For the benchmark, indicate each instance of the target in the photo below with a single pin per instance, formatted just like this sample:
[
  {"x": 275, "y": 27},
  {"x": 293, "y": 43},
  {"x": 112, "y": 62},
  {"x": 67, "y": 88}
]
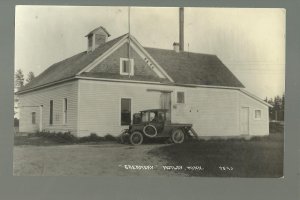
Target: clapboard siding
[
  {"x": 100, "y": 102},
  {"x": 212, "y": 111},
  {"x": 30, "y": 102},
  {"x": 95, "y": 107},
  {"x": 256, "y": 127}
]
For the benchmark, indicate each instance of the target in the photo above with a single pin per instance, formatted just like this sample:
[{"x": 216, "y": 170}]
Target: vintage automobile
[{"x": 154, "y": 123}]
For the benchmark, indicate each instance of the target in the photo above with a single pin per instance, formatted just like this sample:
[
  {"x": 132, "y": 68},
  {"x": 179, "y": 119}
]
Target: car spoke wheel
[
  {"x": 150, "y": 131},
  {"x": 177, "y": 136},
  {"x": 136, "y": 138}
]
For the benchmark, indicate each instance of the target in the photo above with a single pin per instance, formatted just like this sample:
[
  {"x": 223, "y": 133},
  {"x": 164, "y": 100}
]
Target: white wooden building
[{"x": 98, "y": 91}]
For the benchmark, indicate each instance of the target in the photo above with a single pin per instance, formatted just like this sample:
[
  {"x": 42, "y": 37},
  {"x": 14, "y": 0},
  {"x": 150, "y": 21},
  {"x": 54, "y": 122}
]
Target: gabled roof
[
  {"x": 183, "y": 68},
  {"x": 96, "y": 29},
  {"x": 69, "y": 67},
  {"x": 194, "y": 68}
]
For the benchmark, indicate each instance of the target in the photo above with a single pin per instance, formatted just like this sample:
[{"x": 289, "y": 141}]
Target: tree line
[
  {"x": 19, "y": 83},
  {"x": 277, "y": 112},
  {"x": 20, "y": 78}
]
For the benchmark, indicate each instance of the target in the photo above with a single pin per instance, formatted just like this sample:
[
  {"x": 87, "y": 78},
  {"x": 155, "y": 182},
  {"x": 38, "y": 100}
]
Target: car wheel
[
  {"x": 136, "y": 138},
  {"x": 177, "y": 136}
]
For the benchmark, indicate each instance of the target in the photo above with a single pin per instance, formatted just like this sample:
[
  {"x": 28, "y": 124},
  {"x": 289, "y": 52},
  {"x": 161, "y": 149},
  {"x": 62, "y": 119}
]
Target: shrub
[
  {"x": 68, "y": 138},
  {"x": 93, "y": 137},
  {"x": 276, "y": 127},
  {"x": 109, "y": 137}
]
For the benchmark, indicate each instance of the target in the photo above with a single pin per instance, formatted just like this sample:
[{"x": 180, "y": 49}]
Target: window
[
  {"x": 125, "y": 111},
  {"x": 257, "y": 114},
  {"x": 90, "y": 41},
  {"x": 33, "y": 117},
  {"x": 51, "y": 113},
  {"x": 180, "y": 97},
  {"x": 126, "y": 66},
  {"x": 65, "y": 110}
]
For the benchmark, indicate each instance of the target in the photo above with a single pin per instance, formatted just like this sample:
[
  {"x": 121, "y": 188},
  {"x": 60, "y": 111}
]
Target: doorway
[
  {"x": 165, "y": 103},
  {"x": 244, "y": 120}
]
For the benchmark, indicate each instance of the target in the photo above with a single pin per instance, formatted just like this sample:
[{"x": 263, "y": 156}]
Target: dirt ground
[{"x": 89, "y": 160}]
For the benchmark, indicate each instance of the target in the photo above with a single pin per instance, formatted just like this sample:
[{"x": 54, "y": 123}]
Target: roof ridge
[
  {"x": 199, "y": 68},
  {"x": 171, "y": 50},
  {"x": 110, "y": 41}
]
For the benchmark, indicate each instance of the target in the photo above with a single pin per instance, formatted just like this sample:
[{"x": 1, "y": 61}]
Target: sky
[{"x": 249, "y": 41}]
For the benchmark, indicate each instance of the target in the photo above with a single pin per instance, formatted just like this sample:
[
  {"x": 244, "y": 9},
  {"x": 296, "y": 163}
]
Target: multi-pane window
[
  {"x": 65, "y": 110},
  {"x": 33, "y": 117},
  {"x": 126, "y": 66},
  {"x": 51, "y": 113},
  {"x": 125, "y": 111},
  {"x": 180, "y": 97},
  {"x": 257, "y": 114}
]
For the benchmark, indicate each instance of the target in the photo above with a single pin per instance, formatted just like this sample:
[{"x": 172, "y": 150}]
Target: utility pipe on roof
[
  {"x": 129, "y": 61},
  {"x": 181, "y": 29}
]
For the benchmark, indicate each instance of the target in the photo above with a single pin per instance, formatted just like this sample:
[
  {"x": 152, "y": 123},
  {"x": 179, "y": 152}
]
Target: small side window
[
  {"x": 126, "y": 66},
  {"x": 257, "y": 114},
  {"x": 180, "y": 97},
  {"x": 33, "y": 117}
]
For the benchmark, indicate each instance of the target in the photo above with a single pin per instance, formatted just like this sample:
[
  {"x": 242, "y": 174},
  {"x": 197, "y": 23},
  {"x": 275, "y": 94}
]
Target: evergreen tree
[
  {"x": 19, "y": 78},
  {"x": 30, "y": 77}
]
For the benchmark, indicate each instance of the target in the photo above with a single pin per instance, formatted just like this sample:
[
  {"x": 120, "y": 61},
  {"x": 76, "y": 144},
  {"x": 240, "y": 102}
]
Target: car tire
[
  {"x": 177, "y": 136},
  {"x": 136, "y": 138}
]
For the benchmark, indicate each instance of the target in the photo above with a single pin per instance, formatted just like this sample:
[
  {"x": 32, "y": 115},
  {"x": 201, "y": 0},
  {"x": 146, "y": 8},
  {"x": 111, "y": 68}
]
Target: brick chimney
[
  {"x": 179, "y": 47},
  {"x": 96, "y": 38}
]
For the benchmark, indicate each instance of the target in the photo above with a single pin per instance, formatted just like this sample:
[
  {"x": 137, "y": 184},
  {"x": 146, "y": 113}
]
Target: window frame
[
  {"x": 33, "y": 118},
  {"x": 254, "y": 114},
  {"x": 120, "y": 113},
  {"x": 51, "y": 112},
  {"x": 65, "y": 111},
  {"x": 177, "y": 92},
  {"x": 131, "y": 66}
]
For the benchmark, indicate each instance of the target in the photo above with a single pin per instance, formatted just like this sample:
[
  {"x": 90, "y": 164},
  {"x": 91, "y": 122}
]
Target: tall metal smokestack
[{"x": 181, "y": 29}]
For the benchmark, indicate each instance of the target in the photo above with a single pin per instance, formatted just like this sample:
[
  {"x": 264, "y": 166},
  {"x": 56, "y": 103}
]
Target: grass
[
  {"x": 49, "y": 139},
  {"x": 258, "y": 157}
]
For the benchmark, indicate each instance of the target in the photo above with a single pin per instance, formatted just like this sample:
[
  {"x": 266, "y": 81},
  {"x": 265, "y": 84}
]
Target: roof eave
[
  {"x": 256, "y": 98},
  {"x": 45, "y": 85}
]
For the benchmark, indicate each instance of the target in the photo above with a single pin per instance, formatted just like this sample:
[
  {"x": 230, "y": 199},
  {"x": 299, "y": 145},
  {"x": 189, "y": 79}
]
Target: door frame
[
  {"x": 248, "y": 108},
  {"x": 170, "y": 96},
  {"x": 120, "y": 109}
]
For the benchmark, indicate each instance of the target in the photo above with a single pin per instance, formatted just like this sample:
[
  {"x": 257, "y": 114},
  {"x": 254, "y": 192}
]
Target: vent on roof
[{"x": 96, "y": 38}]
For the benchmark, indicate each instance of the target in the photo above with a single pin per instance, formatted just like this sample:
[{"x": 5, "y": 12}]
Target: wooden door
[
  {"x": 165, "y": 103},
  {"x": 244, "y": 120}
]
